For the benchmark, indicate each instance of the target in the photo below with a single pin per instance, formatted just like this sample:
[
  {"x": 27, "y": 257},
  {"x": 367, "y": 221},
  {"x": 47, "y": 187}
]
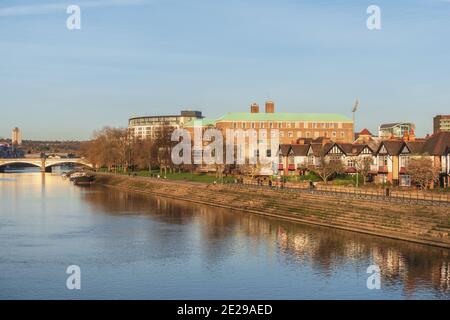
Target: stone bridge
[{"x": 44, "y": 163}]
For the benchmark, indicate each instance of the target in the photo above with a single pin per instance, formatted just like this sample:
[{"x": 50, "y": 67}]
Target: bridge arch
[
  {"x": 12, "y": 162},
  {"x": 45, "y": 164},
  {"x": 49, "y": 163}
]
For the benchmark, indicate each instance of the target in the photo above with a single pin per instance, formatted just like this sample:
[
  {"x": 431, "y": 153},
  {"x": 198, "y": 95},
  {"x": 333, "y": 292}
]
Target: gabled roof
[
  {"x": 393, "y": 147},
  {"x": 300, "y": 150},
  {"x": 415, "y": 147},
  {"x": 284, "y": 149},
  {"x": 358, "y": 148},
  {"x": 329, "y": 146},
  {"x": 349, "y": 148},
  {"x": 437, "y": 144},
  {"x": 316, "y": 148},
  {"x": 365, "y": 132}
]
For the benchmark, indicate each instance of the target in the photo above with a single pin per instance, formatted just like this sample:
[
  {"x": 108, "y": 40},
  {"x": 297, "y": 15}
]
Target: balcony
[
  {"x": 383, "y": 169},
  {"x": 351, "y": 170},
  {"x": 280, "y": 166},
  {"x": 291, "y": 167}
]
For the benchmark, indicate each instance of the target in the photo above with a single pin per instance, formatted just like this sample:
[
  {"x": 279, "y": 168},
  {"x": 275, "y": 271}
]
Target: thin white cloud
[{"x": 47, "y": 8}]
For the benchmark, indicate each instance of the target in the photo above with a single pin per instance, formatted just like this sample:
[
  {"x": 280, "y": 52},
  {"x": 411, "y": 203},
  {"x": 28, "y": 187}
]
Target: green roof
[
  {"x": 200, "y": 123},
  {"x": 281, "y": 116}
]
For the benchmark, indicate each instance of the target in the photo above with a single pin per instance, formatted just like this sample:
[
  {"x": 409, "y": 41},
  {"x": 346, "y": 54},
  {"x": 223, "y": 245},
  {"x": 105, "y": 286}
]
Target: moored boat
[{"x": 84, "y": 180}]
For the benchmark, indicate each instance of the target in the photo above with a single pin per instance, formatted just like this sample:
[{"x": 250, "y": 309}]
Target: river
[{"x": 129, "y": 246}]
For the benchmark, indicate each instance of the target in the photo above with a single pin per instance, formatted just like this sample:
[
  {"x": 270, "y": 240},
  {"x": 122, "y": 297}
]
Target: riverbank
[{"x": 410, "y": 222}]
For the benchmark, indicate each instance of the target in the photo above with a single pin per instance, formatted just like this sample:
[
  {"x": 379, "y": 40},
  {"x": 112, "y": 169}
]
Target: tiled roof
[
  {"x": 392, "y": 147},
  {"x": 284, "y": 149},
  {"x": 437, "y": 144},
  {"x": 300, "y": 149},
  {"x": 365, "y": 132},
  {"x": 316, "y": 148},
  {"x": 415, "y": 147},
  {"x": 283, "y": 116}
]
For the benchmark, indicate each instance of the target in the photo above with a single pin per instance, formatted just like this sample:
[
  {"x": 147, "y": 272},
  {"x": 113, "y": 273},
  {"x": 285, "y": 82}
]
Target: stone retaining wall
[{"x": 427, "y": 225}]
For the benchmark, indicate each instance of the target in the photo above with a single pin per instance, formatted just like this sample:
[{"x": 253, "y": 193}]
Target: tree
[
  {"x": 325, "y": 167},
  {"x": 362, "y": 166},
  {"x": 110, "y": 147},
  {"x": 422, "y": 171}
]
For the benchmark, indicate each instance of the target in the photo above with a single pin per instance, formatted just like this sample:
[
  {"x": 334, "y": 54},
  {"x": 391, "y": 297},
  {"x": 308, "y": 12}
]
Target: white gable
[
  {"x": 383, "y": 149},
  {"x": 405, "y": 150},
  {"x": 335, "y": 150}
]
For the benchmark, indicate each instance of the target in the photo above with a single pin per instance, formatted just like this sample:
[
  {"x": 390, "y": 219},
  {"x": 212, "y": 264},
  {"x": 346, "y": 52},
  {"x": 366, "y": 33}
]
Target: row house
[
  {"x": 297, "y": 158},
  {"x": 392, "y": 158},
  {"x": 389, "y": 158},
  {"x": 391, "y": 161},
  {"x": 438, "y": 148}
]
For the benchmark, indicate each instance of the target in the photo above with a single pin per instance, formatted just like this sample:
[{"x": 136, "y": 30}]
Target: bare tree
[
  {"x": 362, "y": 166},
  {"x": 422, "y": 171},
  {"x": 325, "y": 167},
  {"x": 109, "y": 148}
]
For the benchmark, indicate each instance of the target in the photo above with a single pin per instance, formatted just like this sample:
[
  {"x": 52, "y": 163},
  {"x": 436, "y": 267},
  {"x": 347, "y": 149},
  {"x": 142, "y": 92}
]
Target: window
[
  {"x": 405, "y": 180},
  {"x": 290, "y": 134},
  {"x": 314, "y": 125},
  {"x": 351, "y": 163},
  {"x": 234, "y": 125},
  {"x": 333, "y": 134},
  {"x": 382, "y": 161},
  {"x": 269, "y": 152},
  {"x": 307, "y": 134},
  {"x": 253, "y": 125},
  {"x": 342, "y": 134},
  {"x": 288, "y": 125},
  {"x": 316, "y": 134},
  {"x": 383, "y": 178},
  {"x": 404, "y": 160},
  {"x": 271, "y": 125},
  {"x": 243, "y": 125}
]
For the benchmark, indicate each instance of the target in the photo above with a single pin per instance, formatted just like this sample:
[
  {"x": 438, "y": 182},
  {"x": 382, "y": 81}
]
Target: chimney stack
[
  {"x": 270, "y": 107},
  {"x": 254, "y": 108}
]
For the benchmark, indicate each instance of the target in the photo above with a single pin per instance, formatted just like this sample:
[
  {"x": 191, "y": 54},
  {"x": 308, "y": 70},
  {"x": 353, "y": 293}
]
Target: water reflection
[
  {"x": 413, "y": 266},
  {"x": 132, "y": 246}
]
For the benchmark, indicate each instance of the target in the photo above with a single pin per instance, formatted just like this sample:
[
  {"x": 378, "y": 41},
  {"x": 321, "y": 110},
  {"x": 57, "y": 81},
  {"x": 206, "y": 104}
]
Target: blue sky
[{"x": 138, "y": 57}]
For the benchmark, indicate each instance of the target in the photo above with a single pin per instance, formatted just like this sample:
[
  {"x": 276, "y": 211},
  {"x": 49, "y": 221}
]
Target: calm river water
[{"x": 134, "y": 247}]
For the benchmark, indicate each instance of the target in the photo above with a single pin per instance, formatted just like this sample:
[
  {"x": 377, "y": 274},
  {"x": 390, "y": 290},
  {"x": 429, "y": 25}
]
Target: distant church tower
[{"x": 16, "y": 137}]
